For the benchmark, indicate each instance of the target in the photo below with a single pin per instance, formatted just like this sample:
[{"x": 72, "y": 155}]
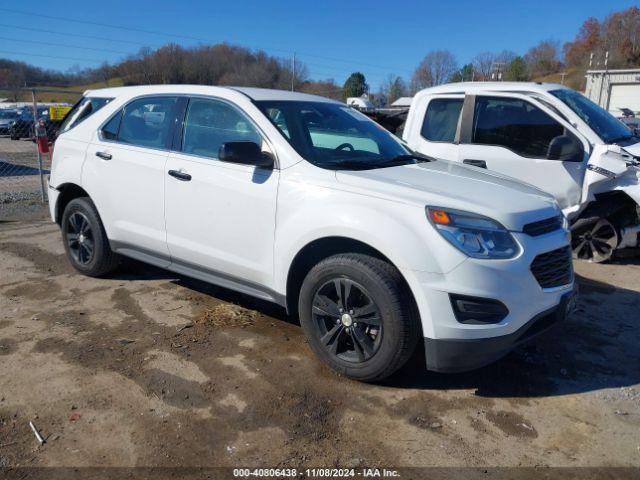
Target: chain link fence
[{"x": 23, "y": 170}]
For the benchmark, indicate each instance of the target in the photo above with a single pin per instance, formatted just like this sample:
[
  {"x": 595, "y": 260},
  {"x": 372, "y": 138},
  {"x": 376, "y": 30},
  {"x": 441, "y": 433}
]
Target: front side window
[
  {"x": 331, "y": 135},
  {"x": 146, "y": 122},
  {"x": 514, "y": 124},
  {"x": 210, "y": 123},
  {"x": 605, "y": 125},
  {"x": 441, "y": 120},
  {"x": 81, "y": 111}
]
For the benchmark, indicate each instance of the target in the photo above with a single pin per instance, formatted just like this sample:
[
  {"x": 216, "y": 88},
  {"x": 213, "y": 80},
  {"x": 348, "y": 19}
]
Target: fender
[{"x": 365, "y": 219}]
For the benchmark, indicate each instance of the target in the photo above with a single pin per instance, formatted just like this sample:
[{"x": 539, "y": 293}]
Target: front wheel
[
  {"x": 358, "y": 316},
  {"x": 594, "y": 240}
]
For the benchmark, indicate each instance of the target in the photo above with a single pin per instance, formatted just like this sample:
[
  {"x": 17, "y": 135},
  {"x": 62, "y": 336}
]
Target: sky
[{"x": 332, "y": 38}]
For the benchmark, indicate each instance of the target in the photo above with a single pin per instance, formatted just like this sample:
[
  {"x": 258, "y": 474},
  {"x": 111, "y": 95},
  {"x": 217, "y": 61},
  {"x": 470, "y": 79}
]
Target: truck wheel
[
  {"x": 85, "y": 240},
  {"x": 594, "y": 240},
  {"x": 358, "y": 316}
]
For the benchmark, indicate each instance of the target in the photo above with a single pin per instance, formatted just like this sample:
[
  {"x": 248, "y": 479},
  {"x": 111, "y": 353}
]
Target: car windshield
[
  {"x": 605, "y": 125},
  {"x": 8, "y": 114},
  {"x": 335, "y": 136}
]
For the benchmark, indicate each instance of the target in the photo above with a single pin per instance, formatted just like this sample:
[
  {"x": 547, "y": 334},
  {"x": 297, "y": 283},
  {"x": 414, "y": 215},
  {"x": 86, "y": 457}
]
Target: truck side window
[
  {"x": 515, "y": 124},
  {"x": 441, "y": 120}
]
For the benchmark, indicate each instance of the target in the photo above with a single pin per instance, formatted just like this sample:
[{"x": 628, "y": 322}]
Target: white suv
[{"x": 305, "y": 202}]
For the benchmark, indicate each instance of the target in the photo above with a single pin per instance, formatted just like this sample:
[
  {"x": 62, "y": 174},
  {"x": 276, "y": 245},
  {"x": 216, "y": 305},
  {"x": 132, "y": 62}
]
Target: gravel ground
[{"x": 150, "y": 369}]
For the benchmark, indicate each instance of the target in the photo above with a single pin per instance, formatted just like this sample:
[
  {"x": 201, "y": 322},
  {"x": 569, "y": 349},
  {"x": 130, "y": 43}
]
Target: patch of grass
[
  {"x": 574, "y": 78},
  {"x": 61, "y": 95}
]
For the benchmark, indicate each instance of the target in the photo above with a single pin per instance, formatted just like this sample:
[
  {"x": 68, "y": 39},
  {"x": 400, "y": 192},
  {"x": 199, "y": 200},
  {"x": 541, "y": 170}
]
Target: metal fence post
[{"x": 35, "y": 124}]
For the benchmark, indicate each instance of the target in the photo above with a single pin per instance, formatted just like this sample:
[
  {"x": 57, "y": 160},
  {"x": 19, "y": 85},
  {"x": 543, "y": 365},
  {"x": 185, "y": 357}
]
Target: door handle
[
  {"x": 185, "y": 177},
  {"x": 104, "y": 155},
  {"x": 475, "y": 163}
]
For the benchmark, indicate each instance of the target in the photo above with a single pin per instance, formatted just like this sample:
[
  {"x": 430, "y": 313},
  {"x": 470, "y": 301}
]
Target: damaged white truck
[{"x": 546, "y": 135}]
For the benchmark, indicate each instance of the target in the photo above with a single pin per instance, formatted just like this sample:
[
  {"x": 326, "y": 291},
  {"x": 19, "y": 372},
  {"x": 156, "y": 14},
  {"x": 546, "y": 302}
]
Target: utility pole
[
  {"x": 293, "y": 71},
  {"x": 603, "y": 77},
  {"x": 35, "y": 125}
]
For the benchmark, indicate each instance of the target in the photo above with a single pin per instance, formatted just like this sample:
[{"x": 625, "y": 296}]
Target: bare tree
[
  {"x": 543, "y": 59},
  {"x": 483, "y": 65},
  {"x": 392, "y": 88},
  {"x": 436, "y": 68}
]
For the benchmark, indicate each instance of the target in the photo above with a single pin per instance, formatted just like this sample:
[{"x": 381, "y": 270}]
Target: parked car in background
[
  {"x": 546, "y": 135},
  {"x": 631, "y": 120},
  {"x": 23, "y": 125},
  {"x": 8, "y": 117},
  {"x": 304, "y": 201}
]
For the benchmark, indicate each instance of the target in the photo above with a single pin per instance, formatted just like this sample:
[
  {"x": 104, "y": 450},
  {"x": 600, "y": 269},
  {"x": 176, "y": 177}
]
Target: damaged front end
[{"x": 609, "y": 219}]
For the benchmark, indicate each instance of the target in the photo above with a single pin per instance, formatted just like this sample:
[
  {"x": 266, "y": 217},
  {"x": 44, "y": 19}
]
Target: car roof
[
  {"x": 257, "y": 94},
  {"x": 478, "y": 87}
]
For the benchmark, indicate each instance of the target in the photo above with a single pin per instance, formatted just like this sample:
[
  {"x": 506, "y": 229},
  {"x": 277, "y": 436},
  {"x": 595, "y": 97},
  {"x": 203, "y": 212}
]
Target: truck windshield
[
  {"x": 605, "y": 125},
  {"x": 335, "y": 136}
]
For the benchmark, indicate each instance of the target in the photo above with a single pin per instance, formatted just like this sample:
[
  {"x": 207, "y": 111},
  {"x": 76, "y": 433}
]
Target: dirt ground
[{"x": 150, "y": 369}]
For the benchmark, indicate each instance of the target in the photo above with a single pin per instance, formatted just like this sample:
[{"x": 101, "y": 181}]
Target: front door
[
  {"x": 511, "y": 134},
  {"x": 436, "y": 136},
  {"x": 220, "y": 216}
]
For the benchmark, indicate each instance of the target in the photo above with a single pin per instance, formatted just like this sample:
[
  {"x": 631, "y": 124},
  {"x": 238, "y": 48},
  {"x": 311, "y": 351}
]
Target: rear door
[
  {"x": 124, "y": 172},
  {"x": 437, "y": 133},
  {"x": 511, "y": 134}
]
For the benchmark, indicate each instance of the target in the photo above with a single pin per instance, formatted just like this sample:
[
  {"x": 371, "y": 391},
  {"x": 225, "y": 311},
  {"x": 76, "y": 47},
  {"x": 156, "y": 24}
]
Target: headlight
[{"x": 474, "y": 235}]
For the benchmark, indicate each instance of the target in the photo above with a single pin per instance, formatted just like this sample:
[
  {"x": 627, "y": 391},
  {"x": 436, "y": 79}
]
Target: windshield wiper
[{"x": 365, "y": 164}]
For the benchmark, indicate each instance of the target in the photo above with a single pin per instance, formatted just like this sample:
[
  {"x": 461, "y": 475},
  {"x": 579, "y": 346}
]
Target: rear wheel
[
  {"x": 358, "y": 316},
  {"x": 594, "y": 240},
  {"x": 85, "y": 239}
]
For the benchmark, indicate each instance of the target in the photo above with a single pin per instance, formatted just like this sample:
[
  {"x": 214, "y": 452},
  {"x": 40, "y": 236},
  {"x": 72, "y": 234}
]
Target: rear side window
[
  {"x": 210, "y": 123},
  {"x": 82, "y": 110},
  {"x": 145, "y": 122},
  {"x": 515, "y": 124},
  {"x": 441, "y": 120}
]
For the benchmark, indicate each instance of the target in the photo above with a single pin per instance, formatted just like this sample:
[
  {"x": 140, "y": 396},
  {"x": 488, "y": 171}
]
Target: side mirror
[
  {"x": 565, "y": 148},
  {"x": 246, "y": 153}
]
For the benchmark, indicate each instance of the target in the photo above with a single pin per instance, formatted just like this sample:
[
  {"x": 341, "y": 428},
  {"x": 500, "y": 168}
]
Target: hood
[{"x": 452, "y": 185}]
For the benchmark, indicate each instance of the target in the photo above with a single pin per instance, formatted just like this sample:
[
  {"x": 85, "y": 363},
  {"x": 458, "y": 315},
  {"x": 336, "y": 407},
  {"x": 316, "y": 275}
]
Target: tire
[
  {"x": 85, "y": 239},
  {"x": 354, "y": 345},
  {"x": 594, "y": 239}
]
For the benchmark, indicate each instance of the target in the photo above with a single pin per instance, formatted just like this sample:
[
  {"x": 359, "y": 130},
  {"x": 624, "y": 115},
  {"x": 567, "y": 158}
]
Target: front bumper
[{"x": 459, "y": 355}]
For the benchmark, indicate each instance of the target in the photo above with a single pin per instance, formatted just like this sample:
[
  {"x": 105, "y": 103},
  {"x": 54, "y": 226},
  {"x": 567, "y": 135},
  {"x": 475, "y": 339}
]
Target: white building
[
  {"x": 402, "y": 102},
  {"x": 614, "y": 89}
]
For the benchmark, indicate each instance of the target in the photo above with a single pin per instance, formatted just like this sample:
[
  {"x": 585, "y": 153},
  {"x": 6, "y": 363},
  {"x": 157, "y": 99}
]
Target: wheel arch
[
  {"x": 607, "y": 204},
  {"x": 68, "y": 192},
  {"x": 317, "y": 250}
]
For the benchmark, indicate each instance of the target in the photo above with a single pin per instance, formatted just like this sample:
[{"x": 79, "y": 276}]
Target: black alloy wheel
[
  {"x": 80, "y": 238},
  {"x": 348, "y": 320}
]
